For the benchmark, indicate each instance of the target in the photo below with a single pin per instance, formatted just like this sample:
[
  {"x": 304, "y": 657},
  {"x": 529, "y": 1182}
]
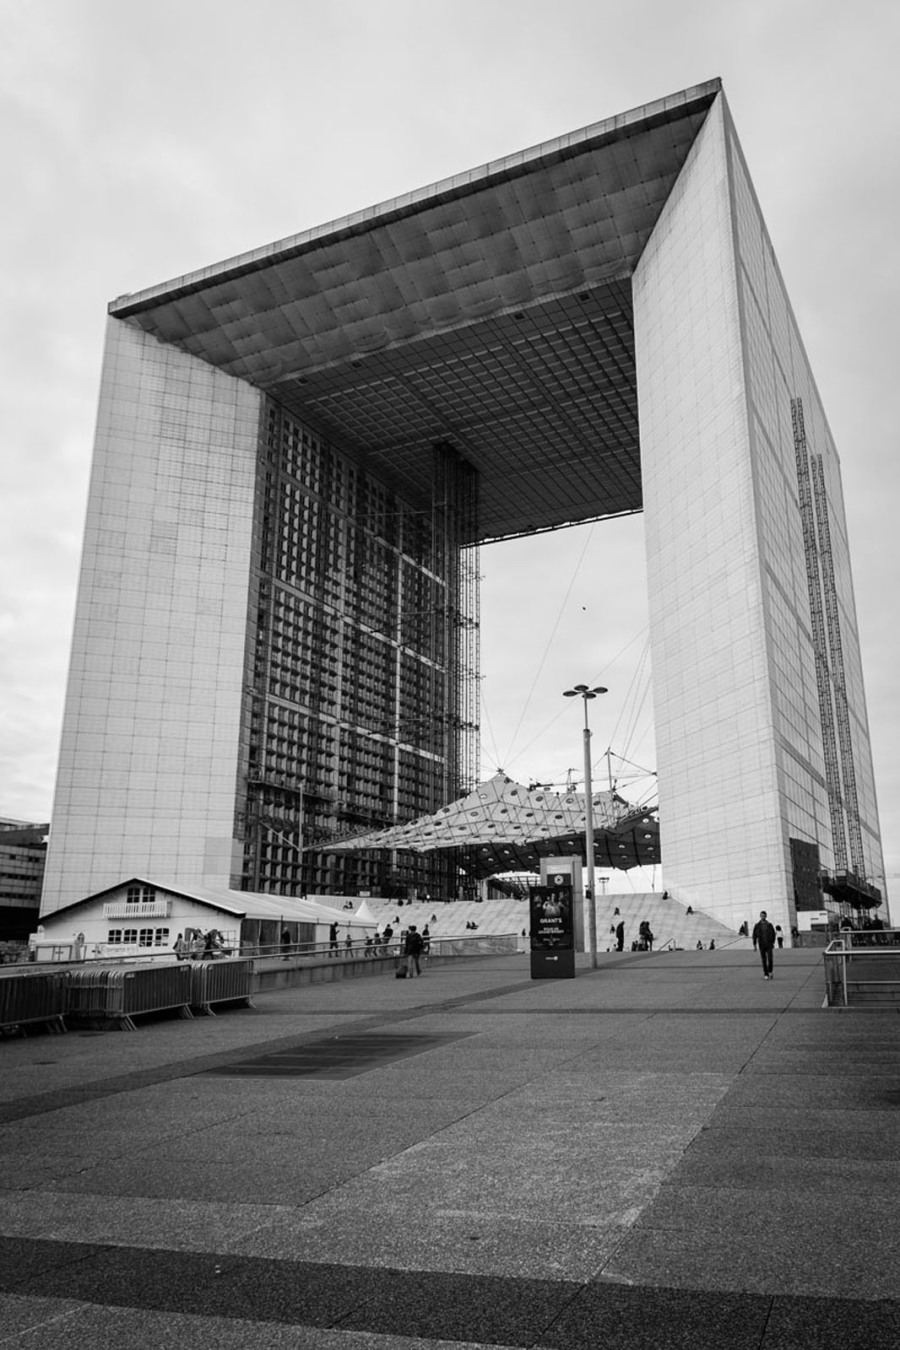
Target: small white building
[{"x": 141, "y": 918}]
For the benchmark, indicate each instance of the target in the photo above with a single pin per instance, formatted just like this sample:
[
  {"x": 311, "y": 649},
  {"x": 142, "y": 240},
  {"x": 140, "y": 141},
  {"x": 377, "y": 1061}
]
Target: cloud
[{"x": 140, "y": 142}]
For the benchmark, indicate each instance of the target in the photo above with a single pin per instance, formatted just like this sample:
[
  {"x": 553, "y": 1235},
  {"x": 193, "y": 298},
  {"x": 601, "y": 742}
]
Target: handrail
[
  {"x": 868, "y": 938},
  {"x": 265, "y": 951},
  {"x": 842, "y": 952}
]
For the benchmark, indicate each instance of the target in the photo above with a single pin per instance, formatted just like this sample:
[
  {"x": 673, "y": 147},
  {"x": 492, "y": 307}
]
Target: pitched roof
[{"x": 240, "y": 904}]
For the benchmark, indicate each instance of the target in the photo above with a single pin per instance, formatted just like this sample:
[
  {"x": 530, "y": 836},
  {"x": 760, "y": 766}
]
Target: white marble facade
[
  {"x": 148, "y": 761},
  {"x": 739, "y": 741}
]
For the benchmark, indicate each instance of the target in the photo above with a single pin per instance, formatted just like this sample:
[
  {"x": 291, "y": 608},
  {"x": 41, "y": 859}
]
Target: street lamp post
[{"x": 584, "y": 692}]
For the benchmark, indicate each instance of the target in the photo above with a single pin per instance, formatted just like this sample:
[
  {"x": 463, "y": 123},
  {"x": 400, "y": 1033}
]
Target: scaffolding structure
[{"x": 361, "y": 695}]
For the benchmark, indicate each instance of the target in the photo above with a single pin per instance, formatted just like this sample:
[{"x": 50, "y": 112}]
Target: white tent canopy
[{"x": 512, "y": 826}]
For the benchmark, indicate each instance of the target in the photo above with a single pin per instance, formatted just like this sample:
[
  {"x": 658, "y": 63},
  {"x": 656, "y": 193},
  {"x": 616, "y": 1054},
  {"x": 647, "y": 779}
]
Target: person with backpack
[{"x": 764, "y": 942}]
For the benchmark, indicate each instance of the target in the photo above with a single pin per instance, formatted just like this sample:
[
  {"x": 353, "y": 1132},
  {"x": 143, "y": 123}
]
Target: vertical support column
[
  {"x": 152, "y": 723},
  {"x": 721, "y": 835}
]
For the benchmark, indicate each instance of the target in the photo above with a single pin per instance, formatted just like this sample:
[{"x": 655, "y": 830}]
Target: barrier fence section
[
  {"x": 862, "y": 968},
  {"x": 220, "y": 982},
  {"x": 119, "y": 995},
  {"x": 111, "y": 996},
  {"x": 31, "y": 998}
]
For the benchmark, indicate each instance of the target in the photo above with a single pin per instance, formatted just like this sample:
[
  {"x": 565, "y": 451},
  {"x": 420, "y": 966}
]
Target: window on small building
[
  {"x": 140, "y": 895},
  {"x": 161, "y": 937},
  {"x": 146, "y": 937},
  {"x": 130, "y": 935}
]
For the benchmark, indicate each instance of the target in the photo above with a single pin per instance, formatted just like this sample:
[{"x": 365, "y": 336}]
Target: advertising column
[{"x": 553, "y": 929}]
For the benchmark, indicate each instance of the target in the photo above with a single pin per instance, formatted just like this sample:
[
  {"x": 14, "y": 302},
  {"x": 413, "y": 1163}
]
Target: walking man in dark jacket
[{"x": 764, "y": 941}]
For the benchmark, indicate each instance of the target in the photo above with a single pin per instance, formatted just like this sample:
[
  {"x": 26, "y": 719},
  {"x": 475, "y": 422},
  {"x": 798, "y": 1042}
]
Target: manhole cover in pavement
[{"x": 340, "y": 1057}]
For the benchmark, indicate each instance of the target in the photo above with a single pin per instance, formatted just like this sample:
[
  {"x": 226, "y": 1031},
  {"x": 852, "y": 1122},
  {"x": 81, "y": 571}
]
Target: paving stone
[
  {"x": 616, "y": 1317},
  {"x": 638, "y": 1158}
]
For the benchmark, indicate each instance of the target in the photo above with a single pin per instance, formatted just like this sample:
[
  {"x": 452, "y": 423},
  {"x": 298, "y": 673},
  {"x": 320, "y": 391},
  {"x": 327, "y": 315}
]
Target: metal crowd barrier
[
  {"x": 863, "y": 969},
  {"x": 116, "y": 996},
  {"x": 29, "y": 998},
  {"x": 220, "y": 982}
]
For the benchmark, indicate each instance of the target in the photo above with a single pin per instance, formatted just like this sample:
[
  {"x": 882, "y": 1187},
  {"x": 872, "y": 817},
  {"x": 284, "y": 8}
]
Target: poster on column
[{"x": 552, "y": 930}]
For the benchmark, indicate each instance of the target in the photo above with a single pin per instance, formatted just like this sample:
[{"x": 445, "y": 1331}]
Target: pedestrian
[
  {"x": 333, "y": 940},
  {"x": 620, "y": 936},
  {"x": 182, "y": 948},
  {"x": 779, "y": 936},
  {"x": 285, "y": 943},
  {"x": 764, "y": 943},
  {"x": 412, "y": 947}
]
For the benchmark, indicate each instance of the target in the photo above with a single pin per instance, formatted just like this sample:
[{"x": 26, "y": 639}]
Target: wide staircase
[
  {"x": 669, "y": 920},
  {"x": 670, "y": 923}
]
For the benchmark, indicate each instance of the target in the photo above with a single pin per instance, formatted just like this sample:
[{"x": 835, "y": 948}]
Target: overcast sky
[{"x": 141, "y": 141}]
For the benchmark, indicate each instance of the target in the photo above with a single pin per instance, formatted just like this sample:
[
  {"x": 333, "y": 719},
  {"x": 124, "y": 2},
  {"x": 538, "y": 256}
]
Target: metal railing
[
  {"x": 318, "y": 950},
  {"x": 33, "y": 997},
  {"x": 146, "y": 909},
  {"x": 116, "y": 996},
  {"x": 112, "y": 995},
  {"x": 459, "y": 945},
  {"x": 220, "y": 982},
  {"x": 862, "y": 968}
]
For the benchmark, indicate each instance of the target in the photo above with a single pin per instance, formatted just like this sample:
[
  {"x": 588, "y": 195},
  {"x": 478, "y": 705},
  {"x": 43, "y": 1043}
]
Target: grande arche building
[{"x": 300, "y": 450}]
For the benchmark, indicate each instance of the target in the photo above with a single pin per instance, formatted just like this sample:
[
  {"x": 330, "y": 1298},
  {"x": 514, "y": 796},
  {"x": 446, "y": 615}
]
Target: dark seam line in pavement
[
  {"x": 769, "y": 1034},
  {"x": 464, "y": 1307},
  {"x": 644, "y": 1010},
  {"x": 765, "y": 1330},
  {"x": 288, "y": 1292},
  {"x": 431, "y": 1305},
  {"x": 342, "y": 1056},
  {"x": 813, "y": 973}
]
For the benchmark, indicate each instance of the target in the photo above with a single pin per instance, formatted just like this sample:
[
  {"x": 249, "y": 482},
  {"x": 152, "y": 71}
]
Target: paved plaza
[{"x": 666, "y": 1152}]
